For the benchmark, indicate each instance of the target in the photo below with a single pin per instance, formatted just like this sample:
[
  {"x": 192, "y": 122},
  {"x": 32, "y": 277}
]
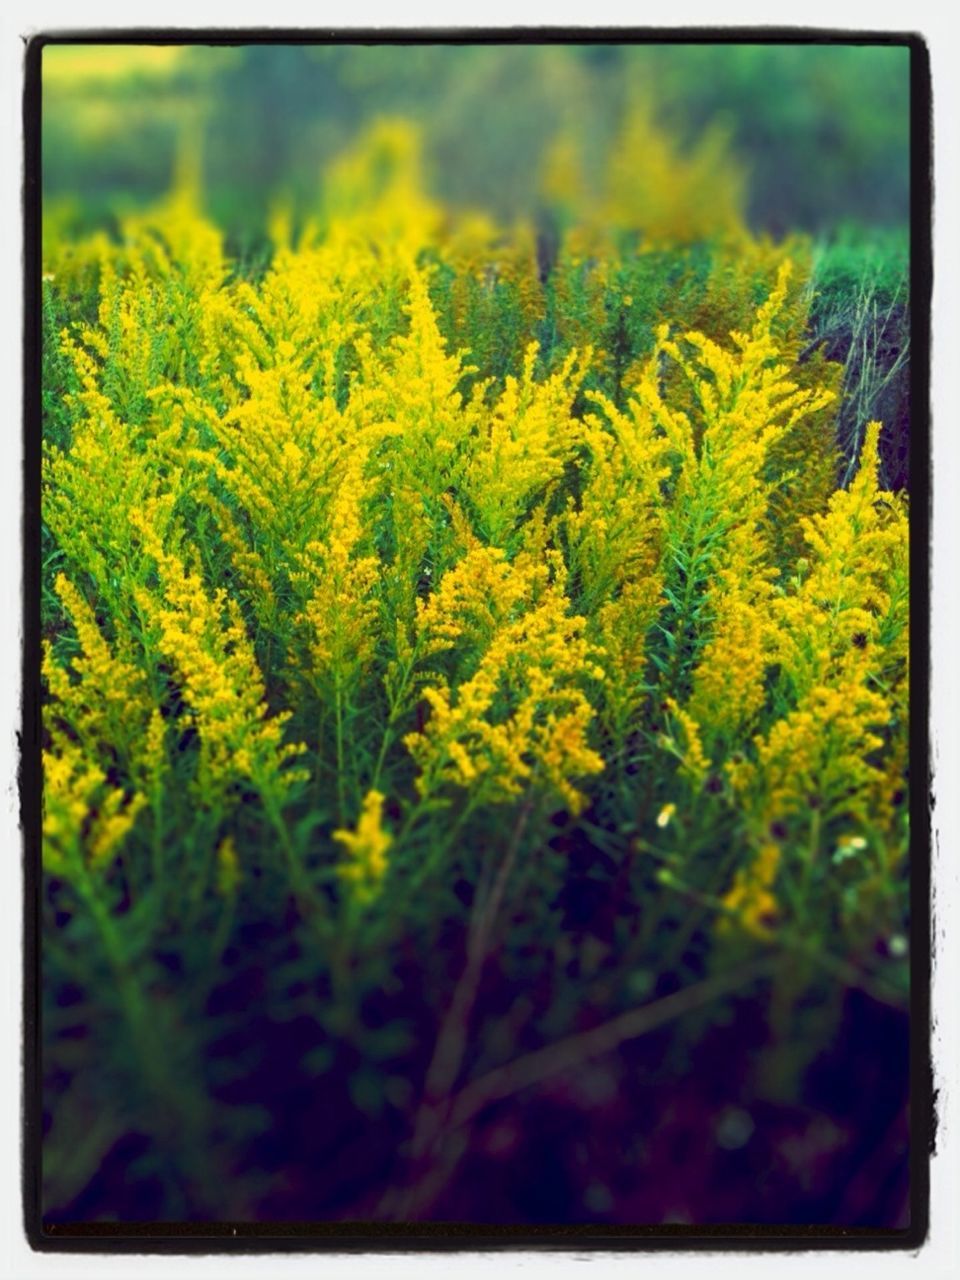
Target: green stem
[
  {"x": 317, "y": 771},
  {"x": 223, "y": 928},
  {"x": 338, "y": 709},
  {"x": 202, "y": 867},
  {"x": 395, "y": 710},
  {"x": 311, "y": 905},
  {"x": 384, "y": 748},
  {"x": 441, "y": 848},
  {"x": 172, "y": 1119},
  {"x": 157, "y": 850},
  {"x": 813, "y": 850},
  {"x": 686, "y": 602}
]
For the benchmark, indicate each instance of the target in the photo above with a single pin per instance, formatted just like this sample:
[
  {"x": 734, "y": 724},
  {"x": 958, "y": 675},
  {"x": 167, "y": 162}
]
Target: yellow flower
[
  {"x": 694, "y": 763},
  {"x": 366, "y": 846},
  {"x": 520, "y": 718},
  {"x": 529, "y": 437},
  {"x": 665, "y": 816},
  {"x": 750, "y": 901},
  {"x": 228, "y": 867},
  {"x": 84, "y": 816},
  {"x": 204, "y": 636}
]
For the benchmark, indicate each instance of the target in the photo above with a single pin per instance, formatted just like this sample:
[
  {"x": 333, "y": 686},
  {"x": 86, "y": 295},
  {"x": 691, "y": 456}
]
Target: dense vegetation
[{"x": 470, "y": 651}]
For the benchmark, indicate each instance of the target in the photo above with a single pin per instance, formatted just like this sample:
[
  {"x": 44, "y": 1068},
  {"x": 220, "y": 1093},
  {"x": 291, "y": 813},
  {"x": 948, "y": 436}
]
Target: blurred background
[{"x": 822, "y": 130}]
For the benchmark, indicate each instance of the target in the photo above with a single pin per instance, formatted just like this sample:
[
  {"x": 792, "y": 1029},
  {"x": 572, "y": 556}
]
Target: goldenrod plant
[{"x": 394, "y": 589}]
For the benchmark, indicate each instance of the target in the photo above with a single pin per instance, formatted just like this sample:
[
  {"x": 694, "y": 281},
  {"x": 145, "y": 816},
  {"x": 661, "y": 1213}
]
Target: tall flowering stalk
[{"x": 398, "y": 590}]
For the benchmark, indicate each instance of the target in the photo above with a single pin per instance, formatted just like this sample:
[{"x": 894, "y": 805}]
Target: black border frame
[{"x": 361, "y": 1237}]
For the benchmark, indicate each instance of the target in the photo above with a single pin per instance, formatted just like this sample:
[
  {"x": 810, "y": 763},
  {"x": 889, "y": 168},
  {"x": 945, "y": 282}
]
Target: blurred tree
[{"x": 823, "y": 129}]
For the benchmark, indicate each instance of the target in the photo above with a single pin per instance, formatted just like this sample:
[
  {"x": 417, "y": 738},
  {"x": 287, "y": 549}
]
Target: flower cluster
[{"x": 465, "y": 516}]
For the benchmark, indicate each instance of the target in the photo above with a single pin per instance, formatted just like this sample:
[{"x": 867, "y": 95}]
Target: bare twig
[
  {"x": 450, "y": 1143},
  {"x": 574, "y": 1050},
  {"x": 448, "y": 1053}
]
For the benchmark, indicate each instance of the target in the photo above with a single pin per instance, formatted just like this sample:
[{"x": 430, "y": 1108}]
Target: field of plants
[{"x": 475, "y": 667}]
